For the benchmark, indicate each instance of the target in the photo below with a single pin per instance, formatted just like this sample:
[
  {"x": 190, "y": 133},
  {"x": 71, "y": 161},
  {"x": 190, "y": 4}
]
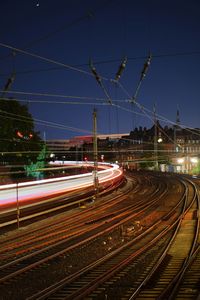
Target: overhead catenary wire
[
  {"x": 116, "y": 150},
  {"x": 98, "y": 78},
  {"x": 57, "y": 102},
  {"x": 45, "y": 59},
  {"x": 90, "y": 13},
  {"x": 100, "y": 62},
  {"x": 159, "y": 117},
  {"x": 127, "y": 100},
  {"x": 41, "y": 122},
  {"x": 45, "y": 123},
  {"x": 63, "y": 96},
  {"x": 141, "y": 108},
  {"x": 87, "y": 72},
  {"x": 112, "y": 100},
  {"x": 51, "y": 95}
]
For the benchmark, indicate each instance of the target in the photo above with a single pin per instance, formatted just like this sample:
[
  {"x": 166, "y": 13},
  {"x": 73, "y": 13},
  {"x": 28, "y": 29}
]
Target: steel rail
[
  {"x": 124, "y": 217},
  {"x": 165, "y": 291},
  {"x": 43, "y": 211},
  {"x": 97, "y": 281},
  {"x": 104, "y": 275},
  {"x": 109, "y": 229},
  {"x": 65, "y": 222}
]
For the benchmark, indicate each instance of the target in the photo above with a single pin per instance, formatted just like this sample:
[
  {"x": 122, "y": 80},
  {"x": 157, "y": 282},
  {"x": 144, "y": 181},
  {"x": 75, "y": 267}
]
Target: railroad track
[
  {"x": 107, "y": 234},
  {"x": 101, "y": 280},
  {"x": 190, "y": 280},
  {"x": 166, "y": 276},
  {"x": 65, "y": 227},
  {"x": 88, "y": 280},
  {"x": 51, "y": 206}
]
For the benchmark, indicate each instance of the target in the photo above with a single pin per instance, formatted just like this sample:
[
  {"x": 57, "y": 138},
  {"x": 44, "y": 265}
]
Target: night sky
[{"x": 63, "y": 33}]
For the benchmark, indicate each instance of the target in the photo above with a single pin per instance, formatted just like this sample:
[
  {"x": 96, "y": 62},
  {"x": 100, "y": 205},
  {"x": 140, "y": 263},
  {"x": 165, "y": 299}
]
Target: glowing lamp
[
  {"x": 180, "y": 160},
  {"x": 194, "y": 160}
]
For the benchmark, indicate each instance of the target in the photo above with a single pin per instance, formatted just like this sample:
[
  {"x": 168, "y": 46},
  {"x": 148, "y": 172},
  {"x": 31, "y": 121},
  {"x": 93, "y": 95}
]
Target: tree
[
  {"x": 35, "y": 169},
  {"x": 196, "y": 170},
  {"x": 19, "y": 142}
]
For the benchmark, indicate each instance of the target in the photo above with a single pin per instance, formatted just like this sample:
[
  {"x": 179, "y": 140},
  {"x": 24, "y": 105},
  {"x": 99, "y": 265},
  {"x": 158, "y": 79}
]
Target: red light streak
[{"x": 35, "y": 190}]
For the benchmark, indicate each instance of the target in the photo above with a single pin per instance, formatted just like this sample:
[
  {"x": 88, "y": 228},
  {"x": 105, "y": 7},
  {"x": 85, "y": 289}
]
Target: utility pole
[
  {"x": 155, "y": 139},
  {"x": 174, "y": 139},
  {"x": 95, "y": 153},
  {"x": 18, "y": 209},
  {"x": 176, "y": 127}
]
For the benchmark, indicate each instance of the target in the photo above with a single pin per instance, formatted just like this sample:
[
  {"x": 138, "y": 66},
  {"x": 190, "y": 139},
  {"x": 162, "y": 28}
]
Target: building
[{"x": 162, "y": 148}]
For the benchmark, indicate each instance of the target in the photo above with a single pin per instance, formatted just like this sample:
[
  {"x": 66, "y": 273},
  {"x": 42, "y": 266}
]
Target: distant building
[
  {"x": 167, "y": 148},
  {"x": 81, "y": 144},
  {"x": 174, "y": 147},
  {"x": 56, "y": 146}
]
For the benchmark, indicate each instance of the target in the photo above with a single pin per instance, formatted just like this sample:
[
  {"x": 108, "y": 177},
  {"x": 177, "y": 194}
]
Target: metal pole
[
  {"x": 18, "y": 210},
  {"x": 95, "y": 153},
  {"x": 155, "y": 140}
]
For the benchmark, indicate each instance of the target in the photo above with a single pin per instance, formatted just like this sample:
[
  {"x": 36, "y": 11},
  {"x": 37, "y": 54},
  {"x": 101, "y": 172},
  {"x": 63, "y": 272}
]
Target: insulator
[
  {"x": 145, "y": 69},
  {"x": 97, "y": 77},
  {"x": 9, "y": 82},
  {"x": 93, "y": 69},
  {"x": 121, "y": 68}
]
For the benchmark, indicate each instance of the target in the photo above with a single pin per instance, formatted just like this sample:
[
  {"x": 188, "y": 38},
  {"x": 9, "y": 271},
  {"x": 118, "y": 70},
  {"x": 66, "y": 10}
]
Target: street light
[
  {"x": 194, "y": 160},
  {"x": 180, "y": 160}
]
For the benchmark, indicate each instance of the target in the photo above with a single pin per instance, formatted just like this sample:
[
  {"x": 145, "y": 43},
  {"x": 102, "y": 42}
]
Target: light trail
[{"x": 36, "y": 190}]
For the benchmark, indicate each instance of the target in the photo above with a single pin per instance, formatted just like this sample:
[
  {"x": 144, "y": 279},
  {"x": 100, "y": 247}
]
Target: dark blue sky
[{"x": 73, "y": 31}]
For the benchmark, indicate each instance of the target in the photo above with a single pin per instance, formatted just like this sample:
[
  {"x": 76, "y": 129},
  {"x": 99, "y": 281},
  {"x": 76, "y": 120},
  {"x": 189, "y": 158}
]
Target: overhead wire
[
  {"x": 127, "y": 100},
  {"x": 133, "y": 99},
  {"x": 45, "y": 59},
  {"x": 41, "y": 122},
  {"x": 54, "y": 95},
  {"x": 70, "y": 67},
  {"x": 58, "y": 102},
  {"x": 98, "y": 79},
  {"x": 107, "y": 62},
  {"x": 164, "y": 119},
  {"x": 142, "y": 108},
  {"x": 164, "y": 133},
  {"x": 90, "y": 13}
]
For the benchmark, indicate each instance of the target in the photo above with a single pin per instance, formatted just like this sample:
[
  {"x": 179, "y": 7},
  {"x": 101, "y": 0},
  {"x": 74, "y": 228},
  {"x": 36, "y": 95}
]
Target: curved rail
[
  {"x": 25, "y": 192},
  {"x": 148, "y": 240},
  {"x": 110, "y": 223}
]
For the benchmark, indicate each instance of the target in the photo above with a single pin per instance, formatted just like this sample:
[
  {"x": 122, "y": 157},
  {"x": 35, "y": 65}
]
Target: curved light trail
[{"x": 35, "y": 190}]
